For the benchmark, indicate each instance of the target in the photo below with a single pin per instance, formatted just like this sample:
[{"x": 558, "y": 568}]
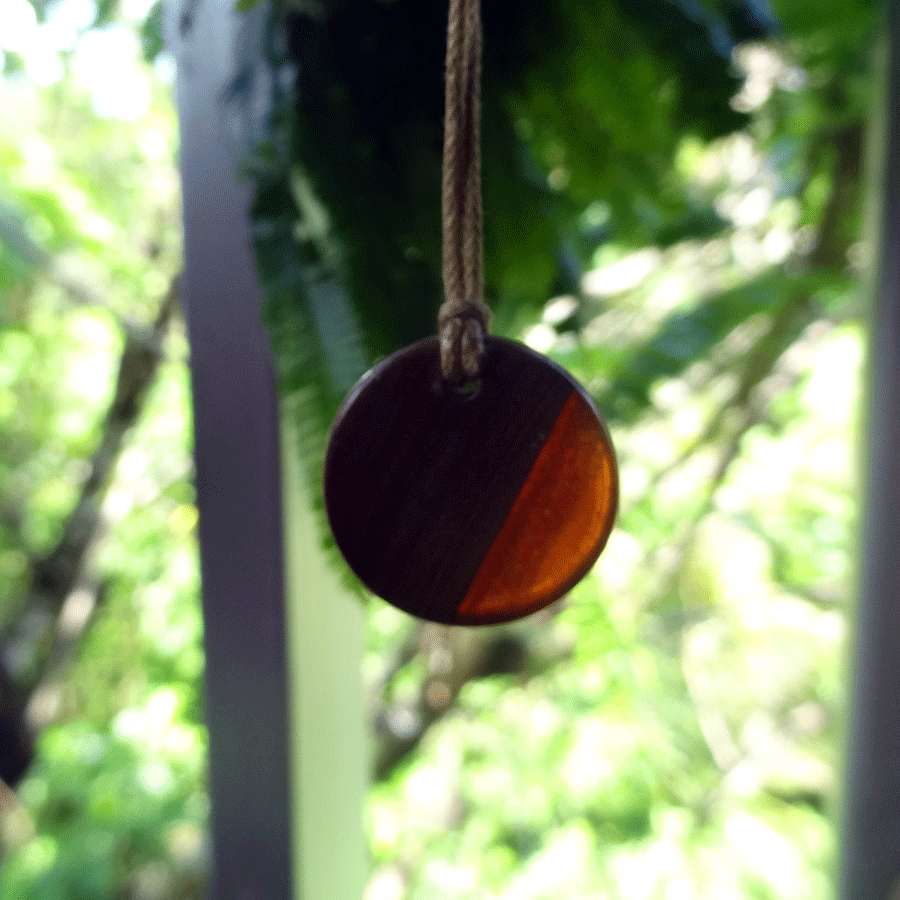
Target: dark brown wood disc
[{"x": 470, "y": 507}]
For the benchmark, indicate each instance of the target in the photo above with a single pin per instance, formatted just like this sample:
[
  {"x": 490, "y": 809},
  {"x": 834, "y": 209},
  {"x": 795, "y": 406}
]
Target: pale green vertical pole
[{"x": 328, "y": 735}]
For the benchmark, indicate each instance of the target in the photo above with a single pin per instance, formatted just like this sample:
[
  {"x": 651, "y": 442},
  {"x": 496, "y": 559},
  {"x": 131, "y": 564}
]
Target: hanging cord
[{"x": 464, "y": 316}]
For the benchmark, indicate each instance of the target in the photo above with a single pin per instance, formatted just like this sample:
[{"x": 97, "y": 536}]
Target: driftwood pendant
[{"x": 470, "y": 508}]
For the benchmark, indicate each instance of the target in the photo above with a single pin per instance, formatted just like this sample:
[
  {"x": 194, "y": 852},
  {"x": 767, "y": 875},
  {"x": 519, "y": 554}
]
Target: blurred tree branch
[
  {"x": 797, "y": 311},
  {"x": 747, "y": 406},
  {"x": 56, "y": 573},
  {"x": 454, "y": 657},
  {"x": 63, "y": 596}
]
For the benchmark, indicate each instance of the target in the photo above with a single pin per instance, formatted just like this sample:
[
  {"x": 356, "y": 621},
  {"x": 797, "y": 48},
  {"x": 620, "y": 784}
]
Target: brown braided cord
[{"x": 464, "y": 316}]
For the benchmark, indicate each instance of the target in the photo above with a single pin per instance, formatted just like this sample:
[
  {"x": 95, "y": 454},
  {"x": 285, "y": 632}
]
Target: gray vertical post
[
  {"x": 870, "y": 866},
  {"x": 236, "y": 438}
]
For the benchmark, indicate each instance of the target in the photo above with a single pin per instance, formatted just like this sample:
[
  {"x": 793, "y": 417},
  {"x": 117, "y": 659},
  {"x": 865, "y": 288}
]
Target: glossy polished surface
[
  {"x": 470, "y": 508},
  {"x": 550, "y": 537}
]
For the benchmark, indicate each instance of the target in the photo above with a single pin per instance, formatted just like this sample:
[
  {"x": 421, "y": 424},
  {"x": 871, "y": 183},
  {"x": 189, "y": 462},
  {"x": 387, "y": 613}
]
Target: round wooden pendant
[{"x": 470, "y": 507}]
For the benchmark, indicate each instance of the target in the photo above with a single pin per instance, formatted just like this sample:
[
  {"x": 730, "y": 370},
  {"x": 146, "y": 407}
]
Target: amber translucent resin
[{"x": 558, "y": 523}]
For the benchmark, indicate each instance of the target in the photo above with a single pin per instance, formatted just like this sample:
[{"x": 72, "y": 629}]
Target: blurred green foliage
[
  {"x": 115, "y": 802},
  {"x": 672, "y": 199}
]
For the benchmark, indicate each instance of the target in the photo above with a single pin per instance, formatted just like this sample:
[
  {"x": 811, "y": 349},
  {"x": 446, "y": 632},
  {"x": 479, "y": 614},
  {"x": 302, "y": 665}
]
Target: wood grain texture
[{"x": 420, "y": 481}]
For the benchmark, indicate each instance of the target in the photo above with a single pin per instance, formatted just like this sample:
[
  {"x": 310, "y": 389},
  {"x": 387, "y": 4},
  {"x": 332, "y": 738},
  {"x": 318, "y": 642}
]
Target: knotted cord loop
[{"x": 464, "y": 316}]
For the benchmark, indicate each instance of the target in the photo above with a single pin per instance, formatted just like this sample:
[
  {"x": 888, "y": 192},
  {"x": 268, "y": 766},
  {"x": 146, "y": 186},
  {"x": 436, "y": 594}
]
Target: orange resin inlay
[{"x": 558, "y": 524}]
